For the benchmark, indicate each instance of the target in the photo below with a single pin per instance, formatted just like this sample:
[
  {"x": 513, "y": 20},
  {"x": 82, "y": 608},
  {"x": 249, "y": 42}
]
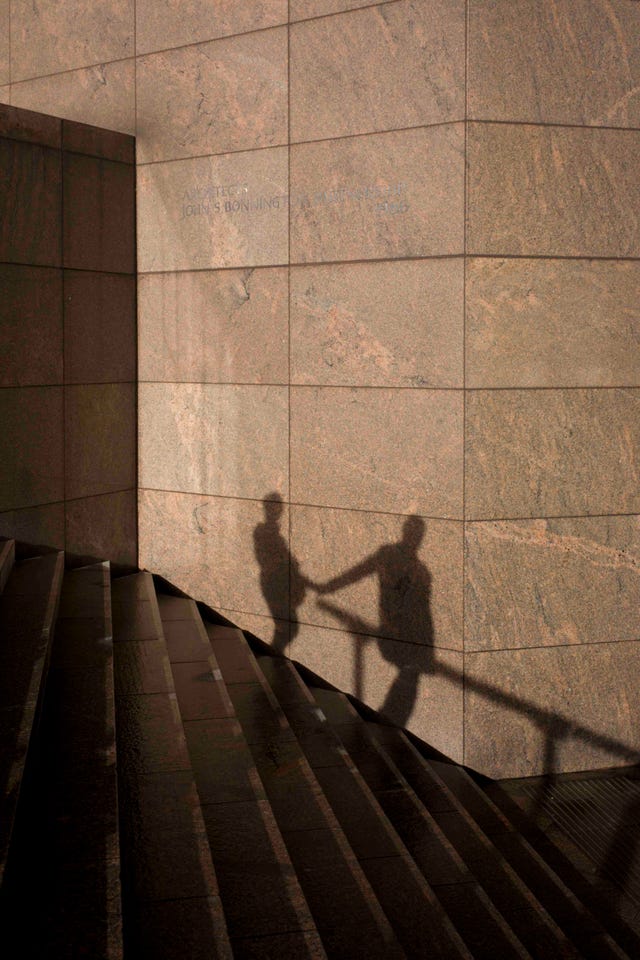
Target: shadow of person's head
[
  {"x": 412, "y": 533},
  {"x": 273, "y": 507}
]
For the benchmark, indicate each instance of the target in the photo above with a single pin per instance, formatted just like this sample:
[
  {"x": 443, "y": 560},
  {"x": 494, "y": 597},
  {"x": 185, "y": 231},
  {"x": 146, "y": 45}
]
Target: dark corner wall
[{"x": 67, "y": 335}]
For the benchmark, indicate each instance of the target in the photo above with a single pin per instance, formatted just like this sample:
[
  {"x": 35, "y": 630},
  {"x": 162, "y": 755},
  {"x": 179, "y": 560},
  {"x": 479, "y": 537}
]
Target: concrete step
[
  {"x": 482, "y": 927},
  {"x": 346, "y": 911},
  {"x": 28, "y": 608},
  {"x": 486, "y": 819},
  {"x": 171, "y": 901},
  {"x": 535, "y": 854},
  {"x": 385, "y": 860},
  {"x": 528, "y": 918},
  {"x": 260, "y": 893},
  {"x": 7, "y": 560},
  {"x": 69, "y": 870},
  {"x": 170, "y": 794}
]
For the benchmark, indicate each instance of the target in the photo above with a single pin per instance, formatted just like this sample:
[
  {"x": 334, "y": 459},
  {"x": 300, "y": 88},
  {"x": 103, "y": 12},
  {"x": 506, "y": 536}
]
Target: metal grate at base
[{"x": 602, "y": 817}]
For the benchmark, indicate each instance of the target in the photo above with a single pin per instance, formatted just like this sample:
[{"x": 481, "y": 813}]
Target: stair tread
[
  {"x": 282, "y": 946},
  {"x": 166, "y": 854},
  {"x": 70, "y": 842},
  {"x": 471, "y": 808},
  {"x": 241, "y": 812},
  {"x": 433, "y": 853},
  {"x": 384, "y": 858},
  {"x": 177, "y": 929},
  {"x": 329, "y": 872},
  {"x": 27, "y": 614},
  {"x": 245, "y": 843},
  {"x": 257, "y": 902},
  {"x": 81, "y": 780},
  {"x": 7, "y": 560},
  {"x": 552, "y": 862}
]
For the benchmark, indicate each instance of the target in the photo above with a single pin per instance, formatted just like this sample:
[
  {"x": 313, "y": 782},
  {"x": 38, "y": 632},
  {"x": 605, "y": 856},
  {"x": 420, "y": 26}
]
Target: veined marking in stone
[{"x": 233, "y": 198}]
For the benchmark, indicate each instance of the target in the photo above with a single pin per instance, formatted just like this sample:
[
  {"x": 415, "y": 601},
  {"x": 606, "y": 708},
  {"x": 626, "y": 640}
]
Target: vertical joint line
[
  {"x": 464, "y": 378},
  {"x": 289, "y": 646}
]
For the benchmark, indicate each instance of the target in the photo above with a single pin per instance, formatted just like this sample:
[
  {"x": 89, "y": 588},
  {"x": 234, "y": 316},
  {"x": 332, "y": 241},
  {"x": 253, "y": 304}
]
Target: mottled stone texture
[
  {"x": 222, "y": 326},
  {"x": 393, "y": 323},
  {"x": 67, "y": 336},
  {"x": 220, "y": 211},
  {"x": 215, "y": 97},
  {"x": 103, "y": 95},
  {"x": 53, "y": 37},
  {"x": 5, "y": 64},
  {"x": 383, "y": 196},
  {"x": 378, "y": 449},
  {"x": 552, "y": 322},
  {"x": 173, "y": 23},
  {"x": 436, "y": 373},
  {"x": 570, "y": 61},
  {"x": 338, "y": 88},
  {"x": 552, "y": 441}
]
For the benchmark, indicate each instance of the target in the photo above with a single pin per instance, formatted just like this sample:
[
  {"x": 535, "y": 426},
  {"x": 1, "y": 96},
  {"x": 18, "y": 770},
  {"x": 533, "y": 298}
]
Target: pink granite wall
[
  {"x": 552, "y": 373},
  {"x": 333, "y": 319},
  {"x": 67, "y": 336}
]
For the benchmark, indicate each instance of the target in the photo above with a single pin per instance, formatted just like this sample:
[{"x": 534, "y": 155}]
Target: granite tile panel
[
  {"x": 98, "y": 142},
  {"x": 534, "y": 583},
  {"x": 51, "y": 37},
  {"x": 5, "y": 63},
  {"x": 337, "y": 84},
  {"x": 384, "y": 196},
  {"x": 206, "y": 547},
  {"x": 552, "y": 323},
  {"x": 403, "y": 681},
  {"x": 31, "y": 446},
  {"x": 40, "y": 525},
  {"x": 100, "y": 438},
  {"x": 397, "y": 577},
  {"x": 537, "y": 453},
  {"x": 104, "y": 526},
  {"x": 5, "y": 95},
  {"x": 103, "y": 95},
  {"x": 19, "y": 124},
  {"x": 390, "y": 323},
  {"x": 217, "y": 439},
  {"x": 30, "y": 229},
  {"x": 303, "y": 9},
  {"x": 398, "y": 451},
  {"x": 215, "y": 97},
  {"x": 99, "y": 327},
  {"x": 172, "y": 23},
  {"x": 225, "y": 211},
  {"x": 30, "y": 325},
  {"x": 552, "y": 191},
  {"x": 573, "y": 61},
  {"x": 99, "y": 214},
  {"x": 227, "y": 326},
  {"x": 557, "y": 709}
]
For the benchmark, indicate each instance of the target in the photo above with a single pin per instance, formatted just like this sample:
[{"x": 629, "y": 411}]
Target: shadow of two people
[{"x": 404, "y": 604}]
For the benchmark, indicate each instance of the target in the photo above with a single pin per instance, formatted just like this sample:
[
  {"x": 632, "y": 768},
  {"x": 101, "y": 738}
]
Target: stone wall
[
  {"x": 552, "y": 431},
  {"x": 67, "y": 336},
  {"x": 353, "y": 358}
]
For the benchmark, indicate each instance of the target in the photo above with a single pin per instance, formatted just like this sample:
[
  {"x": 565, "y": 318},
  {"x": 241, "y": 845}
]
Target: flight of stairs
[{"x": 165, "y": 793}]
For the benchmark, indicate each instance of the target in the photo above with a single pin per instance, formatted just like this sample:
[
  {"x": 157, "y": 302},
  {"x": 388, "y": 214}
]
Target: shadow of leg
[
  {"x": 401, "y": 697},
  {"x": 281, "y": 637}
]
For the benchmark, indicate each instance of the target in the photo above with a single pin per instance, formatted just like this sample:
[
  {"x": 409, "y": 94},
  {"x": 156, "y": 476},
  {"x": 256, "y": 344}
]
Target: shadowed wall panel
[{"x": 68, "y": 336}]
